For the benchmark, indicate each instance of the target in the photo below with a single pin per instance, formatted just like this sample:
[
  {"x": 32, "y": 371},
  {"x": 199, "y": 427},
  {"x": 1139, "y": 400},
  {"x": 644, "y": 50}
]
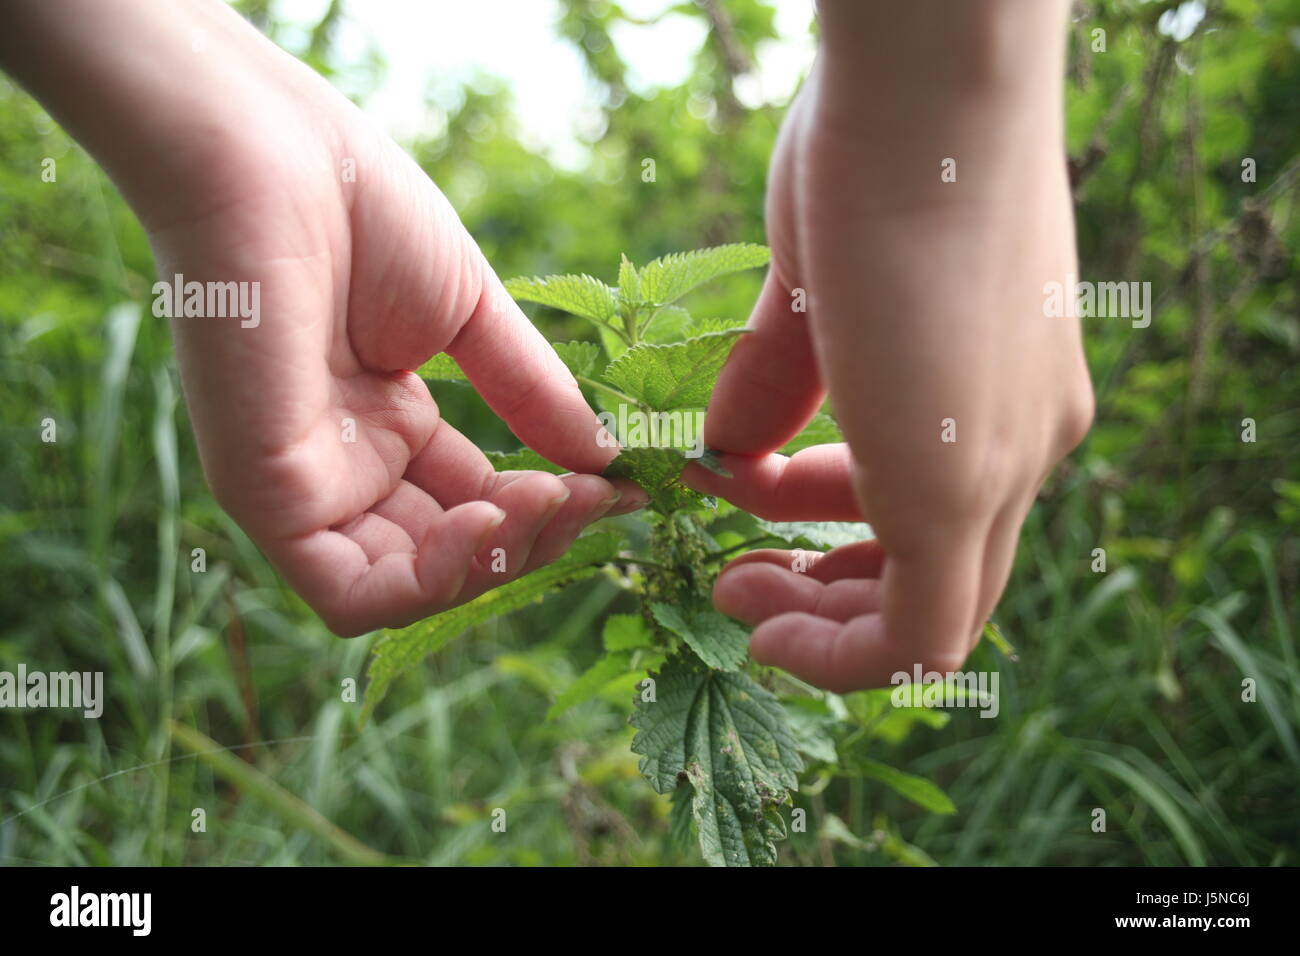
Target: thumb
[
  {"x": 420, "y": 286},
  {"x": 770, "y": 386}
]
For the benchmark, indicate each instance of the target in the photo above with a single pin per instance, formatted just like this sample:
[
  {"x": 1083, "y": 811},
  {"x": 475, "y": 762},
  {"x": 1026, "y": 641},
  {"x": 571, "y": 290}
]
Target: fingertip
[
  {"x": 632, "y": 497},
  {"x": 796, "y": 642}
]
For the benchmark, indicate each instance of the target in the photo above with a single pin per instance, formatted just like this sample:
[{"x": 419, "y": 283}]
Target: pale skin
[
  {"x": 231, "y": 153},
  {"x": 924, "y": 305}
]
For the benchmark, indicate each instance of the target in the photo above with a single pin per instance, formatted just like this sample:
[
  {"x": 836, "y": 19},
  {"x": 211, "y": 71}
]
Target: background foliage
[{"x": 1125, "y": 690}]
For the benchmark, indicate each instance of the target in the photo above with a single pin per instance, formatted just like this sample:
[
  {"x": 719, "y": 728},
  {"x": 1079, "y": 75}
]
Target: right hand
[{"x": 924, "y": 303}]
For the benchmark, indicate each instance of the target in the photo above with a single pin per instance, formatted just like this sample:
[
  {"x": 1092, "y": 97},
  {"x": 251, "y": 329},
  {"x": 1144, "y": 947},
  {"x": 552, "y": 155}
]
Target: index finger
[
  {"x": 510, "y": 363},
  {"x": 927, "y": 601}
]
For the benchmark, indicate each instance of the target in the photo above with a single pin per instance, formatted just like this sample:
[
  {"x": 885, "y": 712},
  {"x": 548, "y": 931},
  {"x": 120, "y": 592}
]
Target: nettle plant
[{"x": 728, "y": 741}]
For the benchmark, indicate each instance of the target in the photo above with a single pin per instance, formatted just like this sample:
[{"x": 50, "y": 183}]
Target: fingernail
[
  {"x": 489, "y": 529},
  {"x": 635, "y": 499},
  {"x": 612, "y": 500},
  {"x": 557, "y": 503}
]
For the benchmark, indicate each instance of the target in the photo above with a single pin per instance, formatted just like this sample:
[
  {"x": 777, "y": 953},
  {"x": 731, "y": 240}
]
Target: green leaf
[
  {"x": 704, "y": 326},
  {"x": 582, "y": 358},
  {"x": 624, "y": 632},
  {"x": 525, "y": 459},
  {"x": 656, "y": 470},
  {"x": 822, "y": 430},
  {"x": 811, "y": 721},
  {"x": 397, "y": 651},
  {"x": 581, "y": 294},
  {"x": 613, "y": 341},
  {"x": 679, "y": 820},
  {"x": 993, "y": 634},
  {"x": 666, "y": 377},
  {"x": 711, "y": 461},
  {"x": 818, "y": 535},
  {"x": 920, "y": 791},
  {"x": 667, "y": 325},
  {"x": 730, "y": 740},
  {"x": 667, "y": 279},
  {"x": 590, "y": 683},
  {"x": 629, "y": 287},
  {"x": 441, "y": 368},
  {"x": 716, "y": 639}
]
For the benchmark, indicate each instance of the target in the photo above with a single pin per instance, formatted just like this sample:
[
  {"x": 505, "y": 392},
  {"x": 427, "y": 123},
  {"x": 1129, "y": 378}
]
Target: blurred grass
[{"x": 1126, "y": 694}]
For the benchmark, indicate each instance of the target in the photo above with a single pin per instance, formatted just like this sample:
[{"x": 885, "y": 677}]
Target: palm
[{"x": 314, "y": 433}]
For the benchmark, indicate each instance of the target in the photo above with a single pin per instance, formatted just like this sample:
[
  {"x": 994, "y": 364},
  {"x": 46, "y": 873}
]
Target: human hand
[
  {"x": 314, "y": 433},
  {"x": 925, "y": 321}
]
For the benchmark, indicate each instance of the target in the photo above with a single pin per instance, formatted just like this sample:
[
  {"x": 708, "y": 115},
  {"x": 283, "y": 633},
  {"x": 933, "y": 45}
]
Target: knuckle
[{"x": 1077, "y": 415}]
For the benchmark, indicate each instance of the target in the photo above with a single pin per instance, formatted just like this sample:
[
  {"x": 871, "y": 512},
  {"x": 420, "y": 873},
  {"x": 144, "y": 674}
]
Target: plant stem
[
  {"x": 609, "y": 390},
  {"x": 248, "y": 779},
  {"x": 719, "y": 555}
]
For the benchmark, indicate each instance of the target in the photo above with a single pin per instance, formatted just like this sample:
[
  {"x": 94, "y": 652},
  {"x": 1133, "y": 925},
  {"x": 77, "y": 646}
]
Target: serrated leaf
[
  {"x": 730, "y": 740},
  {"x": 922, "y": 792},
  {"x": 670, "y": 277},
  {"x": 810, "y": 724},
  {"x": 656, "y": 470},
  {"x": 704, "y": 326},
  {"x": 629, "y": 287},
  {"x": 612, "y": 341},
  {"x": 667, "y": 377},
  {"x": 397, "y": 651},
  {"x": 525, "y": 459},
  {"x": 822, "y": 430},
  {"x": 710, "y": 460},
  {"x": 818, "y": 535},
  {"x": 590, "y": 682},
  {"x": 582, "y": 358},
  {"x": 441, "y": 368},
  {"x": 680, "y": 822},
  {"x": 667, "y": 325},
  {"x": 717, "y": 640},
  {"x": 624, "y": 632},
  {"x": 581, "y": 295}
]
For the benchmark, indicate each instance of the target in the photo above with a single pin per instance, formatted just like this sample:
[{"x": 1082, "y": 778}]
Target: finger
[
  {"x": 812, "y": 485},
  {"x": 519, "y": 375},
  {"x": 410, "y": 509},
  {"x": 929, "y": 595},
  {"x": 451, "y": 469},
  {"x": 354, "y": 594},
  {"x": 927, "y": 600},
  {"x": 862, "y": 559},
  {"x": 590, "y": 498},
  {"x": 530, "y": 500},
  {"x": 999, "y": 557},
  {"x": 421, "y": 286},
  {"x": 770, "y": 386},
  {"x": 376, "y": 536},
  {"x": 839, "y": 656},
  {"x": 757, "y": 591}
]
